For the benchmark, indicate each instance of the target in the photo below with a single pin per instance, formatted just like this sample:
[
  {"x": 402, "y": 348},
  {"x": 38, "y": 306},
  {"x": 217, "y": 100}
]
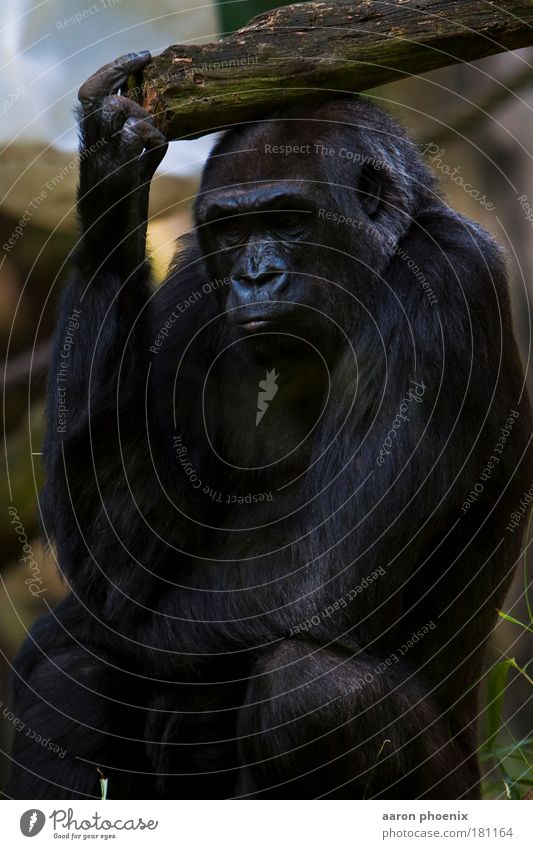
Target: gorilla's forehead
[
  {"x": 327, "y": 144},
  {"x": 288, "y": 150}
]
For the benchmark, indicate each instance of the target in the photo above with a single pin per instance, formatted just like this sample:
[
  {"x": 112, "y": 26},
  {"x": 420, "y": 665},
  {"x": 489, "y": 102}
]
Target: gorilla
[{"x": 278, "y": 485}]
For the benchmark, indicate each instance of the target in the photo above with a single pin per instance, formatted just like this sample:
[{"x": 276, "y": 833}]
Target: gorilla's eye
[
  {"x": 370, "y": 190},
  {"x": 288, "y": 222},
  {"x": 229, "y": 230}
]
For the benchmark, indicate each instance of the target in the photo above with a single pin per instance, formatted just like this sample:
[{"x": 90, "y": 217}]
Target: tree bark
[{"x": 310, "y": 51}]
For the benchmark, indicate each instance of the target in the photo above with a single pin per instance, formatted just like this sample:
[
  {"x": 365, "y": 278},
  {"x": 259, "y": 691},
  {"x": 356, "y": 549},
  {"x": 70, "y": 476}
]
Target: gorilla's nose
[{"x": 261, "y": 284}]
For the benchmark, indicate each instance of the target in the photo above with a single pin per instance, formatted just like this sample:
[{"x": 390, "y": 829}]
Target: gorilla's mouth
[
  {"x": 253, "y": 320},
  {"x": 255, "y": 324}
]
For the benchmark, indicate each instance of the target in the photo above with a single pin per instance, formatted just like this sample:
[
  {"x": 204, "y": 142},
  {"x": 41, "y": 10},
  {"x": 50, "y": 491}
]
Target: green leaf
[
  {"x": 509, "y": 618},
  {"x": 497, "y": 681},
  {"x": 510, "y": 749},
  {"x": 104, "y": 784},
  {"x": 526, "y": 582},
  {"x": 510, "y": 789}
]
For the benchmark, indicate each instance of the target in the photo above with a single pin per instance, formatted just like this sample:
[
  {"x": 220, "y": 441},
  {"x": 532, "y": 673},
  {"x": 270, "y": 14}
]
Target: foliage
[{"x": 513, "y": 759}]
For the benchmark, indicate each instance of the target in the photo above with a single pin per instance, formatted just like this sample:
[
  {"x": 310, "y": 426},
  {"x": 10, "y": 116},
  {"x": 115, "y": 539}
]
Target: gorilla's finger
[
  {"x": 116, "y": 109},
  {"x": 141, "y": 134},
  {"x": 150, "y": 136},
  {"x": 109, "y": 78}
]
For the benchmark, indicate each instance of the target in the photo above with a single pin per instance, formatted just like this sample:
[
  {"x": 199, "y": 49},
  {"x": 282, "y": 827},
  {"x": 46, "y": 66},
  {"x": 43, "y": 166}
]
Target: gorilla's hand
[{"x": 119, "y": 153}]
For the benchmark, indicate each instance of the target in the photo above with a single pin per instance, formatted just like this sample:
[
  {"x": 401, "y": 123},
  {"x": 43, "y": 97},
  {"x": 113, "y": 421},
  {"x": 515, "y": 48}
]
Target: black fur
[{"x": 260, "y": 647}]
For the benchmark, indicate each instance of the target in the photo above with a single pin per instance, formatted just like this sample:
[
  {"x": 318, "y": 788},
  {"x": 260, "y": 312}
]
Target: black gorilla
[{"x": 279, "y": 484}]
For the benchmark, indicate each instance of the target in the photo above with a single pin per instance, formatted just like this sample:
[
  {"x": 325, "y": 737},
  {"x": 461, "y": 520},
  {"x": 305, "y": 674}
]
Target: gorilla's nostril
[
  {"x": 267, "y": 285},
  {"x": 261, "y": 278}
]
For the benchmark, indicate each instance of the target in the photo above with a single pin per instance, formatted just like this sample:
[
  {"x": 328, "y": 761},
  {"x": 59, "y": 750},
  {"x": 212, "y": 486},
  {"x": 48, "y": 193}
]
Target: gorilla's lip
[
  {"x": 255, "y": 324},
  {"x": 261, "y": 319}
]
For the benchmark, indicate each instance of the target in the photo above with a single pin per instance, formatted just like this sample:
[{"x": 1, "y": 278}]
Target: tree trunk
[{"x": 311, "y": 51}]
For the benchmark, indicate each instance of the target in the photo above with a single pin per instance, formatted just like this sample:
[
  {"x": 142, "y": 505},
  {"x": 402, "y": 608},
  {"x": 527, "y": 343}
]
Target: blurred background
[{"x": 474, "y": 121}]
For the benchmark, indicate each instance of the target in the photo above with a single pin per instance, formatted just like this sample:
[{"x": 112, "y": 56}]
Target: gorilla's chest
[{"x": 262, "y": 419}]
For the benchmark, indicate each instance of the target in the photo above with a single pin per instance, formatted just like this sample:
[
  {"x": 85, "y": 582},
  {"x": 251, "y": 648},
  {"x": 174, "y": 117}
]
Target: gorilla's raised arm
[{"x": 98, "y": 372}]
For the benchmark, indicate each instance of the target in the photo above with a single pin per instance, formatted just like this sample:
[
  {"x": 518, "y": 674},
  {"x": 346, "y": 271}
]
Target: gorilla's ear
[{"x": 370, "y": 189}]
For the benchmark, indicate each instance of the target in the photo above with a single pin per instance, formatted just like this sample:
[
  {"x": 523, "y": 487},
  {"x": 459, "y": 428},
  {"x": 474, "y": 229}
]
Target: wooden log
[{"x": 309, "y": 51}]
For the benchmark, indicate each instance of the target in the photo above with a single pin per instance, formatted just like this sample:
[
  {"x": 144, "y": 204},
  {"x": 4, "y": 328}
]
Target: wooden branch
[{"x": 309, "y": 51}]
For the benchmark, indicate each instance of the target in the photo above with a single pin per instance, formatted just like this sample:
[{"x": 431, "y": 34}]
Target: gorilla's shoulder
[{"x": 464, "y": 243}]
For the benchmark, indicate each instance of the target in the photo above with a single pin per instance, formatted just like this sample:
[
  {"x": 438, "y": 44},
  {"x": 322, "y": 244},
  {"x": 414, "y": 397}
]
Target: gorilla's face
[
  {"x": 259, "y": 235},
  {"x": 297, "y": 226}
]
